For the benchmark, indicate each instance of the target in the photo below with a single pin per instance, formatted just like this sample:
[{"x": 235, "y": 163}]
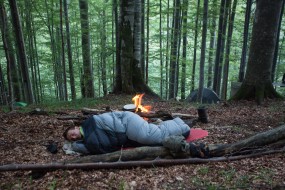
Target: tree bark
[
  {"x": 41, "y": 169},
  {"x": 256, "y": 141},
  {"x": 195, "y": 46},
  {"x": 257, "y": 83},
  {"x": 174, "y": 55},
  {"x": 130, "y": 51},
  {"x": 28, "y": 90},
  {"x": 88, "y": 85},
  {"x": 69, "y": 51},
  {"x": 245, "y": 40},
  {"x": 184, "y": 49},
  {"x": 203, "y": 52}
]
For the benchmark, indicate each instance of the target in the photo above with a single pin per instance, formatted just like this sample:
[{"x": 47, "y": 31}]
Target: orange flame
[{"x": 137, "y": 99}]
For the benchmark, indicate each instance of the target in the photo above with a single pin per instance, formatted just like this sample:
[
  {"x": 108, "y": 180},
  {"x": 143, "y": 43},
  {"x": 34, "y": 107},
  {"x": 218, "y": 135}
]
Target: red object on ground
[{"x": 196, "y": 134}]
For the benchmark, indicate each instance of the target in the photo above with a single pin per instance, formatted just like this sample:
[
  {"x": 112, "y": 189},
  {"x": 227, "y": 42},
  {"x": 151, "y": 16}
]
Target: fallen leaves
[{"x": 23, "y": 139}]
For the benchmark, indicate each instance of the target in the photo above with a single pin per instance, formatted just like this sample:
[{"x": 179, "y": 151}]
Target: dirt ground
[{"x": 24, "y": 138}]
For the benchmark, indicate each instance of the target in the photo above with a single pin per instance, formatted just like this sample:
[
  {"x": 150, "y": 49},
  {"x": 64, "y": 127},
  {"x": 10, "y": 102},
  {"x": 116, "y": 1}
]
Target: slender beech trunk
[
  {"x": 228, "y": 51},
  {"x": 245, "y": 40},
  {"x": 203, "y": 52},
  {"x": 20, "y": 45},
  {"x": 184, "y": 53},
  {"x": 195, "y": 47},
  {"x": 69, "y": 51}
]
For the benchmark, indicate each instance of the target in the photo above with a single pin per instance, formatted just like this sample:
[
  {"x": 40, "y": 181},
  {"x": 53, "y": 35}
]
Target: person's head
[{"x": 72, "y": 133}]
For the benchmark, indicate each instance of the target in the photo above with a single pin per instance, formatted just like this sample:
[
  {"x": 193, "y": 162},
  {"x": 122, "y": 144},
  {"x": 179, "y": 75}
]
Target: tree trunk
[
  {"x": 118, "y": 77},
  {"x": 69, "y": 51},
  {"x": 85, "y": 40},
  {"x": 160, "y": 52},
  {"x": 228, "y": 51},
  {"x": 257, "y": 83},
  {"x": 126, "y": 37},
  {"x": 276, "y": 51},
  {"x": 184, "y": 51},
  {"x": 146, "y": 54},
  {"x": 203, "y": 52},
  {"x": 245, "y": 41},
  {"x": 195, "y": 47},
  {"x": 10, "y": 95},
  {"x": 130, "y": 37},
  {"x": 167, "y": 51},
  {"x": 28, "y": 90},
  {"x": 103, "y": 53},
  {"x": 173, "y": 70},
  {"x": 65, "y": 94},
  {"x": 221, "y": 44},
  {"x": 212, "y": 45}
]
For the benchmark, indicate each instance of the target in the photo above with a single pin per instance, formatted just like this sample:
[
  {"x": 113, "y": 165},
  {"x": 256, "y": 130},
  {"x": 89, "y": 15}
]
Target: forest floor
[{"x": 24, "y": 136}]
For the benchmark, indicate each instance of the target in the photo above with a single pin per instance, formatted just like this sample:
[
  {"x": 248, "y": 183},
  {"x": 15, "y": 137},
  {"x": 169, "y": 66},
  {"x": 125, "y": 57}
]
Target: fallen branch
[
  {"x": 139, "y": 153},
  {"x": 259, "y": 140},
  {"x": 88, "y": 111},
  {"x": 129, "y": 164}
]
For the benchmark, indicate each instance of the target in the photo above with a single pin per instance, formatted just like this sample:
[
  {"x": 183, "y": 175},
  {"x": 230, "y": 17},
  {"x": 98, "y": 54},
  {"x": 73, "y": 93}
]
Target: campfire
[{"x": 137, "y": 99}]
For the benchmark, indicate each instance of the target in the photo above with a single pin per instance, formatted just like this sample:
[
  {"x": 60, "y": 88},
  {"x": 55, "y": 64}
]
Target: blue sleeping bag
[{"x": 112, "y": 131}]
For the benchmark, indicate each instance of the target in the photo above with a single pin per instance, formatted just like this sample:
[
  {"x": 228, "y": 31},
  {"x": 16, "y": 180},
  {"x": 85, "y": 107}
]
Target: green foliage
[{"x": 45, "y": 18}]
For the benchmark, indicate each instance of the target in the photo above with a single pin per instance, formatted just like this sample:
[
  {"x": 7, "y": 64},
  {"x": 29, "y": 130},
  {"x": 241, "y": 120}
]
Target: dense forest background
[{"x": 66, "y": 50}]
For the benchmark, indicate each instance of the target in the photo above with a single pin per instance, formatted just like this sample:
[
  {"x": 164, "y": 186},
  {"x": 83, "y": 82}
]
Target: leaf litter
[{"x": 24, "y": 139}]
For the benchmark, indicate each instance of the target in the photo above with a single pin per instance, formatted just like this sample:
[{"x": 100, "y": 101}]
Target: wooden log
[
  {"x": 256, "y": 141},
  {"x": 129, "y": 164},
  {"x": 88, "y": 111},
  {"x": 165, "y": 115},
  {"x": 139, "y": 153}
]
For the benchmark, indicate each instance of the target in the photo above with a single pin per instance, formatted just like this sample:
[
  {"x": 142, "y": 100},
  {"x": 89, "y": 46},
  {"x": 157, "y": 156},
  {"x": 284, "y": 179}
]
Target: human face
[{"x": 74, "y": 134}]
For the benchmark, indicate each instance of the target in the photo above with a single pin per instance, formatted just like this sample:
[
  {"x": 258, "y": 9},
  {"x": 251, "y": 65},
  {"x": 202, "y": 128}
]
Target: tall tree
[
  {"x": 103, "y": 52},
  {"x": 277, "y": 44},
  {"x": 257, "y": 83},
  {"x": 69, "y": 51},
  {"x": 245, "y": 40},
  {"x": 118, "y": 77},
  {"x": 130, "y": 37},
  {"x": 20, "y": 45},
  {"x": 212, "y": 43},
  {"x": 87, "y": 77},
  {"x": 3, "y": 95},
  {"x": 173, "y": 70},
  {"x": 65, "y": 95},
  {"x": 228, "y": 51},
  {"x": 195, "y": 46},
  {"x": 184, "y": 51},
  {"x": 10, "y": 57},
  {"x": 220, "y": 44},
  {"x": 203, "y": 51}
]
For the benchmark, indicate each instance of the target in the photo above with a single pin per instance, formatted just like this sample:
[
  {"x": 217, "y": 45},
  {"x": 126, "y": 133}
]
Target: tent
[{"x": 208, "y": 96}]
